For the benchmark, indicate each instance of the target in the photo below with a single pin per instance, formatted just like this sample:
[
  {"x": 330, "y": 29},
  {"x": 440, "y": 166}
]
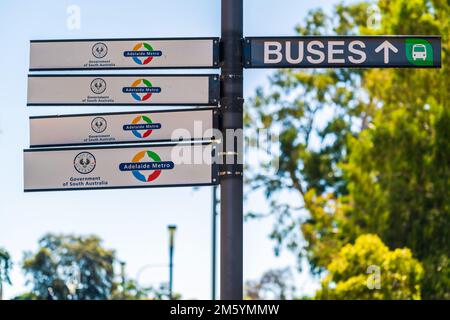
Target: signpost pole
[
  {"x": 231, "y": 184},
  {"x": 214, "y": 243}
]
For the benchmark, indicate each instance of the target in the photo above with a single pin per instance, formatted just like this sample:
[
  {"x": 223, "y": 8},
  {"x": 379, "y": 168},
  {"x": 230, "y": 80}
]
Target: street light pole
[
  {"x": 231, "y": 176},
  {"x": 122, "y": 275},
  {"x": 172, "y": 229}
]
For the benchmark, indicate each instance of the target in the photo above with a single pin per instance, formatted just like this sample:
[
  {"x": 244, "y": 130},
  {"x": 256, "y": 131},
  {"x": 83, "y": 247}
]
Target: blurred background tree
[
  {"x": 5, "y": 269},
  {"x": 365, "y": 151},
  {"x": 162, "y": 292},
  {"x": 70, "y": 267},
  {"x": 274, "y": 284},
  {"x": 131, "y": 291},
  {"x": 368, "y": 270}
]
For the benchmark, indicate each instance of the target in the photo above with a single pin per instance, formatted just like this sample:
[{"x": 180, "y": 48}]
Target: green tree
[
  {"x": 369, "y": 270},
  {"x": 26, "y": 296},
  {"x": 274, "y": 284},
  {"x": 70, "y": 267},
  {"x": 131, "y": 291},
  {"x": 367, "y": 151},
  {"x": 161, "y": 292},
  {"x": 5, "y": 269}
]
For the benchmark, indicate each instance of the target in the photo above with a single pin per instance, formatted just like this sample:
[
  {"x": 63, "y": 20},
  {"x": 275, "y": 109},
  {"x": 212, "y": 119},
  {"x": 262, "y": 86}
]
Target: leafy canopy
[
  {"x": 70, "y": 267},
  {"x": 274, "y": 284},
  {"x": 5, "y": 266},
  {"x": 369, "y": 270}
]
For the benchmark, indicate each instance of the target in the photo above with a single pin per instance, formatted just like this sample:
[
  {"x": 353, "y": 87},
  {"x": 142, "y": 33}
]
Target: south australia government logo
[
  {"x": 142, "y": 126},
  {"x": 84, "y": 162},
  {"x": 98, "y": 86},
  {"x": 99, "y": 124},
  {"x": 99, "y": 50},
  {"x": 141, "y": 90},
  {"x": 146, "y": 166},
  {"x": 142, "y": 53}
]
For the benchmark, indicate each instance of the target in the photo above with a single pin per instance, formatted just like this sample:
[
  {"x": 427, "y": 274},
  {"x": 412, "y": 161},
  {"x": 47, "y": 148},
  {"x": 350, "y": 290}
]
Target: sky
[{"x": 133, "y": 222}]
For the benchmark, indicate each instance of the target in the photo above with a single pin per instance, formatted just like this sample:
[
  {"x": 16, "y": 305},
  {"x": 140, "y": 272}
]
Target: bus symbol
[{"x": 419, "y": 51}]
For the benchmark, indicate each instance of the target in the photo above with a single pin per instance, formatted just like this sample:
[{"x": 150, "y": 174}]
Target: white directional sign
[
  {"x": 123, "y": 127},
  {"x": 343, "y": 51},
  {"x": 119, "y": 167},
  {"x": 123, "y": 89},
  {"x": 124, "y": 54}
]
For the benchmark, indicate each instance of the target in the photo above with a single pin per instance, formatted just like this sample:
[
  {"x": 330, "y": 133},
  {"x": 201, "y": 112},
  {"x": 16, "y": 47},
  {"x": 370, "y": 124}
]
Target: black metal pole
[
  {"x": 214, "y": 244},
  {"x": 231, "y": 185}
]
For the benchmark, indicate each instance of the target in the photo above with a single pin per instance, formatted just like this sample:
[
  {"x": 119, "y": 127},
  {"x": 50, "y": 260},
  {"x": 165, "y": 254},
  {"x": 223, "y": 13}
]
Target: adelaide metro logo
[
  {"x": 142, "y": 53},
  {"x": 146, "y": 161},
  {"x": 147, "y": 126},
  {"x": 141, "y": 90}
]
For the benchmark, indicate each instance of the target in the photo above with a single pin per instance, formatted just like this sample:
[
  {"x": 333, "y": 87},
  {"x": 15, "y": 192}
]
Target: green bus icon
[{"x": 419, "y": 52}]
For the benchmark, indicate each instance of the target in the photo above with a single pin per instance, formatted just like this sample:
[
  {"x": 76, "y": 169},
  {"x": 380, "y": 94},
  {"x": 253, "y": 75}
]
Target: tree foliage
[
  {"x": 274, "y": 284},
  {"x": 70, "y": 267},
  {"x": 369, "y": 270},
  {"x": 130, "y": 291},
  {"x": 366, "y": 151},
  {"x": 162, "y": 292},
  {"x": 5, "y": 269},
  {"x": 5, "y": 266}
]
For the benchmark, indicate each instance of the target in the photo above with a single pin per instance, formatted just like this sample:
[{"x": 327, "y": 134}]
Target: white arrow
[{"x": 386, "y": 46}]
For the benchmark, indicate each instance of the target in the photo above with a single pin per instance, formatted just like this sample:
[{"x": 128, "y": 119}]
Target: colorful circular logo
[
  {"x": 154, "y": 174},
  {"x": 147, "y": 132},
  {"x": 84, "y": 162},
  {"x": 99, "y": 124},
  {"x": 146, "y": 95},
  {"x": 143, "y": 60}
]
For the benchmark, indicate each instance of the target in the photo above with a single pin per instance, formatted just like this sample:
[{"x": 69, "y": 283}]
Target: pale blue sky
[{"x": 131, "y": 221}]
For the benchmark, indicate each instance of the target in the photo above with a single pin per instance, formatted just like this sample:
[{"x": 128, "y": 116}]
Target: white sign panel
[
  {"x": 123, "y": 90},
  {"x": 124, "y": 54},
  {"x": 118, "y": 167},
  {"x": 130, "y": 127}
]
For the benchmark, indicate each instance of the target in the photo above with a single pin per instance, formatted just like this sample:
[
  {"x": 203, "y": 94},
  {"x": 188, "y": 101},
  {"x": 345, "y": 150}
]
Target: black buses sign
[{"x": 343, "y": 52}]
